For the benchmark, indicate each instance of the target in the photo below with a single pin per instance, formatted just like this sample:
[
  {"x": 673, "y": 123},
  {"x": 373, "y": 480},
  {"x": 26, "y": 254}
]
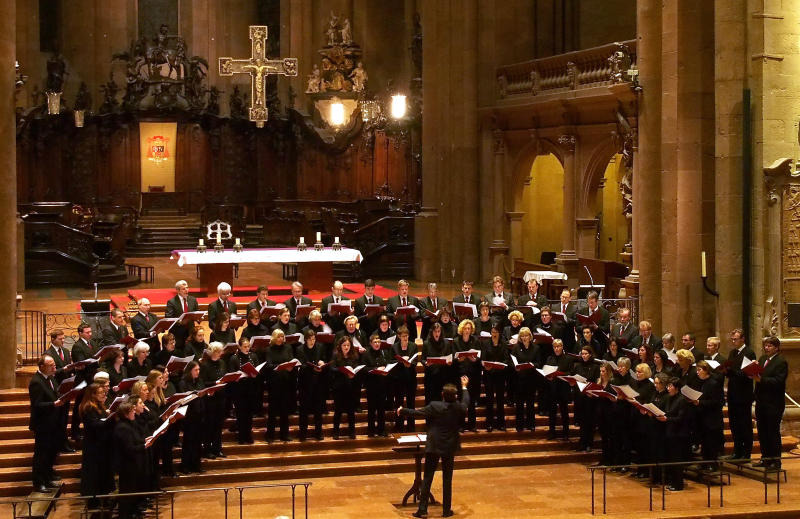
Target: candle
[
  {"x": 238, "y": 242},
  {"x": 336, "y": 240},
  {"x": 302, "y": 240},
  {"x": 200, "y": 243},
  {"x": 219, "y": 239},
  {"x": 319, "y": 237},
  {"x": 703, "y": 264}
]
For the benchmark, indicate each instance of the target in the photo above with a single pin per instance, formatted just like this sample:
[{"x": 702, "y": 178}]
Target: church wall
[
  {"x": 604, "y": 21},
  {"x": 543, "y": 205},
  {"x": 614, "y": 225}
]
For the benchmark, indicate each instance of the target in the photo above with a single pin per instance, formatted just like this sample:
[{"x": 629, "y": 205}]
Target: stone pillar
[
  {"x": 515, "y": 224},
  {"x": 647, "y": 167},
  {"x": 8, "y": 196},
  {"x": 568, "y": 258},
  {"x": 586, "y": 237},
  {"x": 499, "y": 247}
]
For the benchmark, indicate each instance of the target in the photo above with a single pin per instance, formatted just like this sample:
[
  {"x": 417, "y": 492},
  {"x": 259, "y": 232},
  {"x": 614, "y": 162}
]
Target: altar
[{"x": 314, "y": 267}]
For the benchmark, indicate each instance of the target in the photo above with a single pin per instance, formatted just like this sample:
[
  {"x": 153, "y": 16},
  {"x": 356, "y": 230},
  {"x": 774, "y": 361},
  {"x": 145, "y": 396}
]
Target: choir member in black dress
[
  {"x": 613, "y": 353},
  {"x": 114, "y": 366},
  {"x": 130, "y": 458},
  {"x": 560, "y": 391},
  {"x": 528, "y": 381},
  {"x": 196, "y": 343},
  {"x": 82, "y": 349},
  {"x": 555, "y": 329},
  {"x": 167, "y": 350},
  {"x": 482, "y": 323},
  {"x": 222, "y": 330},
  {"x": 97, "y": 472},
  {"x": 620, "y": 426},
  {"x": 495, "y": 380},
  {"x": 384, "y": 329},
  {"x": 312, "y": 383},
  {"x": 284, "y": 323},
  {"x": 661, "y": 364},
  {"x": 192, "y": 446},
  {"x": 640, "y": 423},
  {"x": 357, "y": 338},
  {"x": 676, "y": 435},
  {"x": 584, "y": 406},
  {"x": 587, "y": 338},
  {"x": 247, "y": 392},
  {"x": 657, "y": 427},
  {"x": 604, "y": 415},
  {"x": 449, "y": 327},
  {"x": 469, "y": 366},
  {"x": 140, "y": 365},
  {"x": 280, "y": 386},
  {"x": 212, "y": 368},
  {"x": 377, "y": 385},
  {"x": 157, "y": 381},
  {"x": 515, "y": 319},
  {"x": 770, "y": 405},
  {"x": 687, "y": 374},
  {"x": 436, "y": 375},
  {"x": 404, "y": 377},
  {"x": 645, "y": 355},
  {"x": 709, "y": 414},
  {"x": 346, "y": 389},
  {"x": 255, "y": 327}
]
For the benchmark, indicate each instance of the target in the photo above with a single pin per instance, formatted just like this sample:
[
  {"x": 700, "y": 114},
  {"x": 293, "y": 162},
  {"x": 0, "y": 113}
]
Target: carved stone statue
[
  {"x": 314, "y": 80},
  {"x": 213, "y": 101},
  {"x": 56, "y": 71},
  {"x": 238, "y": 103},
  {"x": 620, "y": 62},
  {"x": 333, "y": 29},
  {"x": 359, "y": 77},
  {"x": 347, "y": 35},
  {"x": 83, "y": 99},
  {"x": 110, "y": 103}
]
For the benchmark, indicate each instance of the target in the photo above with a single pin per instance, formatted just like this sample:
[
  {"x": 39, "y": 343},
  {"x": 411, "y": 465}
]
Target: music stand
[
  {"x": 583, "y": 290},
  {"x": 96, "y": 308}
]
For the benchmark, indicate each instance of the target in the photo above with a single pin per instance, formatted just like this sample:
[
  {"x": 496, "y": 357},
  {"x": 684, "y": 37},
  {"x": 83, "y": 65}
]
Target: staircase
[
  {"x": 160, "y": 231},
  {"x": 263, "y": 462}
]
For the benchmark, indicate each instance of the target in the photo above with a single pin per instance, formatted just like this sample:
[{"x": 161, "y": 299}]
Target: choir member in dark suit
[
  {"x": 247, "y": 392},
  {"x": 528, "y": 381},
  {"x": 482, "y": 323},
  {"x": 602, "y": 328},
  {"x": 346, "y": 389},
  {"x": 403, "y": 299},
  {"x": 560, "y": 391},
  {"x": 433, "y": 304},
  {"x": 296, "y": 300},
  {"x": 193, "y": 423},
  {"x": 605, "y": 415},
  {"x": 709, "y": 413},
  {"x": 222, "y": 304},
  {"x": 495, "y": 381},
  {"x": 222, "y": 331},
  {"x": 740, "y": 397},
  {"x": 312, "y": 383},
  {"x": 404, "y": 378},
  {"x": 436, "y": 375},
  {"x": 377, "y": 386},
  {"x": 640, "y": 424},
  {"x": 280, "y": 386},
  {"x": 620, "y": 426},
  {"x": 82, "y": 349},
  {"x": 646, "y": 337},
  {"x": 533, "y": 299},
  {"x": 656, "y": 428},
  {"x": 676, "y": 434},
  {"x": 688, "y": 341},
  {"x": 46, "y": 424},
  {"x": 114, "y": 330},
  {"x": 196, "y": 344},
  {"x": 584, "y": 407},
  {"x": 97, "y": 471},
  {"x": 61, "y": 357},
  {"x": 143, "y": 320},
  {"x": 357, "y": 339},
  {"x": 769, "y": 395},
  {"x": 130, "y": 457},
  {"x": 469, "y": 366},
  {"x": 178, "y": 305},
  {"x": 334, "y": 319},
  {"x": 212, "y": 368},
  {"x": 712, "y": 352},
  {"x": 624, "y": 331},
  {"x": 466, "y": 296},
  {"x": 261, "y": 301},
  {"x": 569, "y": 309},
  {"x": 368, "y": 323},
  {"x": 500, "y": 299},
  {"x": 140, "y": 364},
  {"x": 444, "y": 419}
]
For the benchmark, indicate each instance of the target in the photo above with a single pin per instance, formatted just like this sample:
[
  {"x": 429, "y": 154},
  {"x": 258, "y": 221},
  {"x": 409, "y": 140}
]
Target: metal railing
[
  {"x": 709, "y": 478},
  {"x": 105, "y": 504}
]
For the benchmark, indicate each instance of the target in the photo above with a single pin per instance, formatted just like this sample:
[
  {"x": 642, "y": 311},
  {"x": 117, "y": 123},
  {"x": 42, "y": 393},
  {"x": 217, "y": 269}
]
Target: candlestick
[{"x": 703, "y": 264}]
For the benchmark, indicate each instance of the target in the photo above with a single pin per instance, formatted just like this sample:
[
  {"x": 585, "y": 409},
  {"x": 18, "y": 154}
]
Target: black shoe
[
  {"x": 210, "y": 456},
  {"x": 420, "y": 514},
  {"x": 220, "y": 454},
  {"x": 448, "y": 513},
  {"x": 674, "y": 488},
  {"x": 759, "y": 464},
  {"x": 40, "y": 488}
]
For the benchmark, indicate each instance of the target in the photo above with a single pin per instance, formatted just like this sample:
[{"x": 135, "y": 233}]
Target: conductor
[{"x": 444, "y": 421}]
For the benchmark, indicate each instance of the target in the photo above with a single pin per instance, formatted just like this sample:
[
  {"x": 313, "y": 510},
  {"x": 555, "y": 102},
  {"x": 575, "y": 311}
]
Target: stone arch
[
  {"x": 524, "y": 161},
  {"x": 594, "y": 170}
]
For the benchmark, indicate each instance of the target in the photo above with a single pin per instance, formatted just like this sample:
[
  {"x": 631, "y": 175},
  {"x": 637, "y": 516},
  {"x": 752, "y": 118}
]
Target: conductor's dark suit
[
  {"x": 444, "y": 422},
  {"x": 770, "y": 404},
  {"x": 175, "y": 309},
  {"x": 45, "y": 422}
]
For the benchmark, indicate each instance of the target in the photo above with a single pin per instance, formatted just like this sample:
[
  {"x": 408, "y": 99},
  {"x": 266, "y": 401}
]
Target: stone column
[
  {"x": 515, "y": 225},
  {"x": 568, "y": 258},
  {"x": 647, "y": 167},
  {"x": 499, "y": 247},
  {"x": 8, "y": 196}
]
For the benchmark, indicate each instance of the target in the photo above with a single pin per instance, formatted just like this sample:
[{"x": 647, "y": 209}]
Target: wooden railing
[{"x": 593, "y": 67}]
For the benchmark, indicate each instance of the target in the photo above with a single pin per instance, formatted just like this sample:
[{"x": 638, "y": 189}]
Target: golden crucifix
[{"x": 259, "y": 67}]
